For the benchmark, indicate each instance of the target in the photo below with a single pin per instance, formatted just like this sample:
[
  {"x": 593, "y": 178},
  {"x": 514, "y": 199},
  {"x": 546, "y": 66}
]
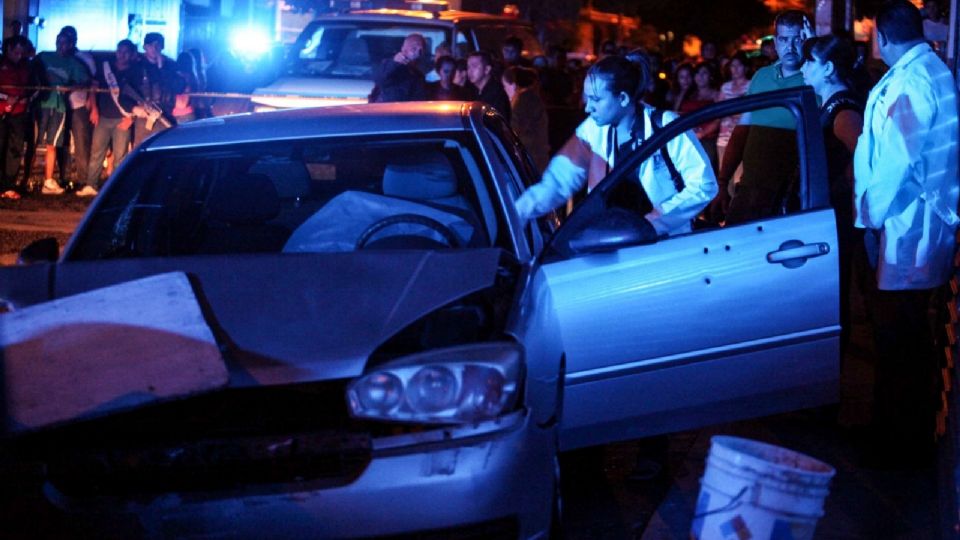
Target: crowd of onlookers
[
  {"x": 81, "y": 111},
  {"x": 541, "y": 97},
  {"x": 891, "y": 166}
]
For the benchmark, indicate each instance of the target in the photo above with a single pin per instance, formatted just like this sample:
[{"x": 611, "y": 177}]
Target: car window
[
  {"x": 462, "y": 45},
  {"x": 490, "y": 37},
  {"x": 516, "y": 162},
  {"x": 519, "y": 157},
  {"x": 304, "y": 196},
  {"x": 767, "y": 182},
  {"x": 356, "y": 50}
]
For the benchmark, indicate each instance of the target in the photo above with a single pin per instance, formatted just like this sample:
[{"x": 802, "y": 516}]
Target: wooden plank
[{"x": 107, "y": 350}]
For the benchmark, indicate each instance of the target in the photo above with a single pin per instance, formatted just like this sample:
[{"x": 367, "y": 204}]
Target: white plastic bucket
[{"x": 759, "y": 491}]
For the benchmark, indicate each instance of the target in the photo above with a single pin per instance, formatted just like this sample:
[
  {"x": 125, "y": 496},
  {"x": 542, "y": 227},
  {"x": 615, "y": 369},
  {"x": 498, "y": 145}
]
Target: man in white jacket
[{"x": 905, "y": 196}]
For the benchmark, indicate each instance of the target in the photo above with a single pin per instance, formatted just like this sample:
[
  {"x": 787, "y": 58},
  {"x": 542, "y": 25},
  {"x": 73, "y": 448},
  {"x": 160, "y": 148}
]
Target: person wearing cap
[
  {"x": 160, "y": 86},
  {"x": 56, "y": 68}
]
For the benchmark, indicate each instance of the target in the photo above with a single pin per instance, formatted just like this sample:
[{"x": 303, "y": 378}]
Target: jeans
[
  {"x": 140, "y": 131},
  {"x": 106, "y": 131},
  {"x": 13, "y": 135},
  {"x": 80, "y": 128}
]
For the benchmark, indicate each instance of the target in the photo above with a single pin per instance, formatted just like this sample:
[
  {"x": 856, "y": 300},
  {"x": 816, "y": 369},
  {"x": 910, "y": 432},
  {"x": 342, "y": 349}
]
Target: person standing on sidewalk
[
  {"x": 399, "y": 78},
  {"x": 480, "y": 71},
  {"x": 59, "y": 68},
  {"x": 14, "y": 113},
  {"x": 112, "y": 113},
  {"x": 905, "y": 197},
  {"x": 160, "y": 85},
  {"x": 78, "y": 117},
  {"x": 766, "y": 140}
]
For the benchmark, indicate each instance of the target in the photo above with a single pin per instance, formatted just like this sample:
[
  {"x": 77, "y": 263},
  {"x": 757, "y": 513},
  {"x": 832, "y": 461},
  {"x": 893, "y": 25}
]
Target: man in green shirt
[
  {"x": 60, "y": 68},
  {"x": 766, "y": 141}
]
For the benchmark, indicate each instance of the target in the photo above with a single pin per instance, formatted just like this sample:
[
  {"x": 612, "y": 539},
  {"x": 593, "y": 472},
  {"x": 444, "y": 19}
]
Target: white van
[{"x": 334, "y": 61}]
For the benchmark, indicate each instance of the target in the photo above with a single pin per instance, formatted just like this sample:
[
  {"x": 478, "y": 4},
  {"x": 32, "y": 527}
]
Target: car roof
[
  {"x": 411, "y": 16},
  {"x": 334, "y": 121}
]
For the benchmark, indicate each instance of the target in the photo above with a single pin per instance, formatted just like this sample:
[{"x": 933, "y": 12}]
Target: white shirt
[
  {"x": 905, "y": 168},
  {"x": 672, "y": 211},
  {"x": 78, "y": 98}
]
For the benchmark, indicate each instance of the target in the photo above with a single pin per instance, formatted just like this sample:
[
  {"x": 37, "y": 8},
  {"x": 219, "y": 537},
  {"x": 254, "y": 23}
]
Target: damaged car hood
[{"x": 293, "y": 318}]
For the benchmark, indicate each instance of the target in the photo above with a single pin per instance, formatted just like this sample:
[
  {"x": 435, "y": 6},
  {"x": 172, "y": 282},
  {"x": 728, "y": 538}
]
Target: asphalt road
[{"x": 34, "y": 217}]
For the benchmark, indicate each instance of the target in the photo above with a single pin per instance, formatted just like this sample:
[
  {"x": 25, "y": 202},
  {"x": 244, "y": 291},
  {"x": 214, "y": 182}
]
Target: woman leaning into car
[{"x": 618, "y": 123}]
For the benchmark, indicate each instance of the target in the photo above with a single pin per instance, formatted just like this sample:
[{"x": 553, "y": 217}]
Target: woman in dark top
[
  {"x": 695, "y": 88},
  {"x": 830, "y": 68},
  {"x": 528, "y": 114},
  {"x": 446, "y": 89}
]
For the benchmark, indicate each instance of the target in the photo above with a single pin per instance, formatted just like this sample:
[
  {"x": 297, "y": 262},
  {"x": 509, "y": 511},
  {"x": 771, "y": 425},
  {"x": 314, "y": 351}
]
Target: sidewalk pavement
[{"x": 863, "y": 503}]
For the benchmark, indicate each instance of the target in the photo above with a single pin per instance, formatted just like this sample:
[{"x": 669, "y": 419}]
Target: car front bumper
[{"x": 498, "y": 474}]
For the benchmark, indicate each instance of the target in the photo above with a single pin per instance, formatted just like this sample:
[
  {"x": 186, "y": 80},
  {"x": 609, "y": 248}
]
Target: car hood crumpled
[{"x": 295, "y": 318}]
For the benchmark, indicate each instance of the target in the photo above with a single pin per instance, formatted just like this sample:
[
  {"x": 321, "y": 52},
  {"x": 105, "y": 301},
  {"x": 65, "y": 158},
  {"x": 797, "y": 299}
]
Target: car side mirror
[
  {"x": 40, "y": 251},
  {"x": 613, "y": 229}
]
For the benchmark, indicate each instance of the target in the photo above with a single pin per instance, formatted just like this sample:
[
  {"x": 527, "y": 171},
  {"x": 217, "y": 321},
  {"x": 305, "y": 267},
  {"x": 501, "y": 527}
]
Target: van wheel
[{"x": 556, "y": 514}]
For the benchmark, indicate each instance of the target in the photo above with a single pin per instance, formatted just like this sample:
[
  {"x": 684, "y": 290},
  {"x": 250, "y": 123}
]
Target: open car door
[{"x": 707, "y": 327}]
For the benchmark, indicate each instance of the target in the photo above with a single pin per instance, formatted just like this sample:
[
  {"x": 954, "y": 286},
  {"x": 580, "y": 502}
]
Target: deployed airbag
[{"x": 337, "y": 226}]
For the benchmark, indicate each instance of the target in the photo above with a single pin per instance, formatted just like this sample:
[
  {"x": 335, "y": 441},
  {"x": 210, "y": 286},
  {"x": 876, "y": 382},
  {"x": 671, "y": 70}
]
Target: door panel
[{"x": 698, "y": 329}]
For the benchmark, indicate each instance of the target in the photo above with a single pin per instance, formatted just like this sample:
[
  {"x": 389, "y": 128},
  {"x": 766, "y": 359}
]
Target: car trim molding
[
  {"x": 693, "y": 357},
  {"x": 452, "y": 437}
]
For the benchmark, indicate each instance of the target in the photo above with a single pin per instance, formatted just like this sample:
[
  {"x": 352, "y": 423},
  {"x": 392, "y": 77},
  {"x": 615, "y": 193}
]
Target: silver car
[{"x": 405, "y": 355}]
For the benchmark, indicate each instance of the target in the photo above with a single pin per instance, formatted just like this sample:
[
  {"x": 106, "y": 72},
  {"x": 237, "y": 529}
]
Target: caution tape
[{"x": 218, "y": 95}]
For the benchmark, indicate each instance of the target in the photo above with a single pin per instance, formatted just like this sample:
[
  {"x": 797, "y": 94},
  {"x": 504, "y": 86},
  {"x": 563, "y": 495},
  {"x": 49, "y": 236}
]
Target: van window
[{"x": 356, "y": 50}]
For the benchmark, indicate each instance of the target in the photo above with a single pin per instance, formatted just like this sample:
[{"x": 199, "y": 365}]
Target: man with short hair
[
  {"x": 112, "y": 112},
  {"x": 78, "y": 117},
  {"x": 489, "y": 89},
  {"x": 399, "y": 78},
  {"x": 162, "y": 84},
  {"x": 512, "y": 51},
  {"x": 14, "y": 113},
  {"x": 59, "y": 68},
  {"x": 766, "y": 140},
  {"x": 905, "y": 197}
]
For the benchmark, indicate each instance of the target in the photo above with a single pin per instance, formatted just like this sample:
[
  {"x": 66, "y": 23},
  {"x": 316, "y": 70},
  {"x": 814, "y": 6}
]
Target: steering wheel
[{"x": 432, "y": 224}]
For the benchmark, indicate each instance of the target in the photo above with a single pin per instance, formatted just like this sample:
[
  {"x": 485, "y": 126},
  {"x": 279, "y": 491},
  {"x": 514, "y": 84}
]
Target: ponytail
[{"x": 623, "y": 75}]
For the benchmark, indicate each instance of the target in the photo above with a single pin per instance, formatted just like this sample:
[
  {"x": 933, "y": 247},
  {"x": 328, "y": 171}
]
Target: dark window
[{"x": 307, "y": 196}]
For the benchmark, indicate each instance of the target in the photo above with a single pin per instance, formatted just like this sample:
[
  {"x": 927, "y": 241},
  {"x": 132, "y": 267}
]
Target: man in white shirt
[{"x": 905, "y": 196}]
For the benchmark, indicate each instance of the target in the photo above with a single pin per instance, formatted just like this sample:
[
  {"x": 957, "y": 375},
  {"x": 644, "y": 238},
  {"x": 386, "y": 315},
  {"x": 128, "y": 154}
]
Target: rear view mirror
[{"x": 40, "y": 251}]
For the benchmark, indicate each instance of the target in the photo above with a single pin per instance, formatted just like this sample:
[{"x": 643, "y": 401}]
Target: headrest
[
  {"x": 420, "y": 176},
  {"x": 249, "y": 198}
]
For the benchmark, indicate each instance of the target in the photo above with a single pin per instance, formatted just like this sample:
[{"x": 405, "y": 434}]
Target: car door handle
[{"x": 794, "y": 253}]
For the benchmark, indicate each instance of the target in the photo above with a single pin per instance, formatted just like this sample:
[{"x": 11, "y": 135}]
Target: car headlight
[{"x": 461, "y": 384}]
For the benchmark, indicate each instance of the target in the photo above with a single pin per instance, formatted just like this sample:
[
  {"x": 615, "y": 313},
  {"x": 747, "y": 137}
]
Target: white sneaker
[
  {"x": 86, "y": 191},
  {"x": 51, "y": 187}
]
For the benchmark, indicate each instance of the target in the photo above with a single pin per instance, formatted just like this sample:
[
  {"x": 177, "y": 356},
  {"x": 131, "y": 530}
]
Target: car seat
[
  {"x": 238, "y": 216},
  {"x": 426, "y": 177},
  {"x": 429, "y": 178}
]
